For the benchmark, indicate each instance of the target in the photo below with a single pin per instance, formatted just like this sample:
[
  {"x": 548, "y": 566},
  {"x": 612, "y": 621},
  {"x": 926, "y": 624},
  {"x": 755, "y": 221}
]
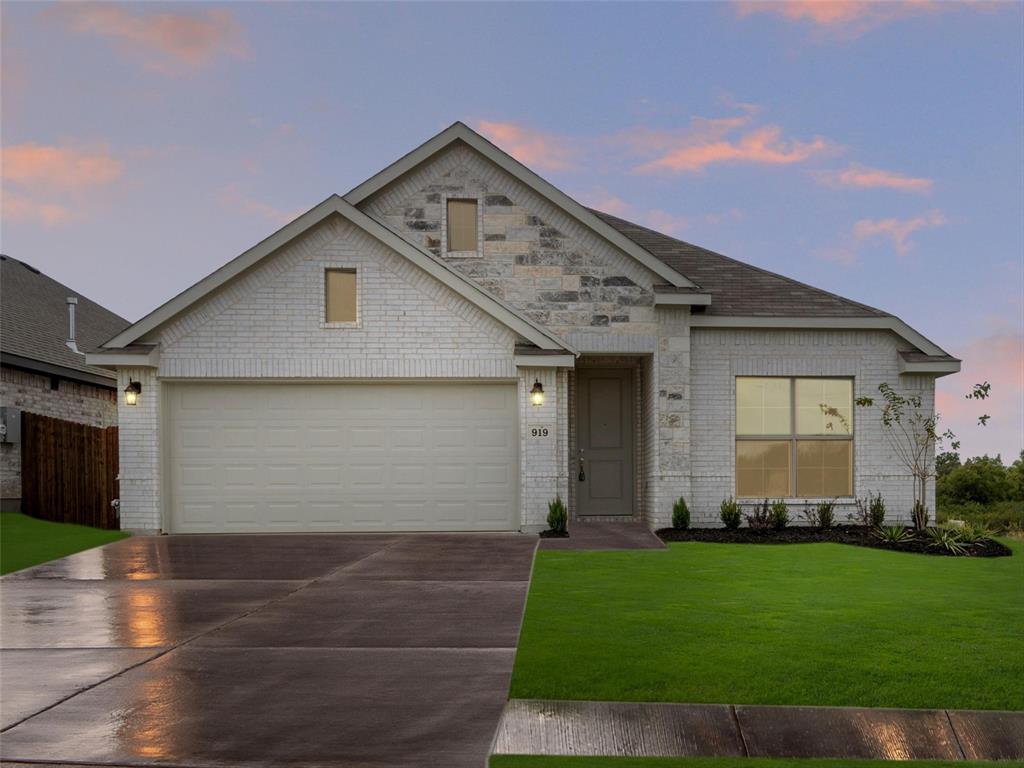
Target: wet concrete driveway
[{"x": 312, "y": 650}]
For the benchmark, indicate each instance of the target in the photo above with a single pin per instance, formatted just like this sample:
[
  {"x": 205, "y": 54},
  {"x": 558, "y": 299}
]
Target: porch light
[
  {"x": 131, "y": 392},
  {"x": 537, "y": 393}
]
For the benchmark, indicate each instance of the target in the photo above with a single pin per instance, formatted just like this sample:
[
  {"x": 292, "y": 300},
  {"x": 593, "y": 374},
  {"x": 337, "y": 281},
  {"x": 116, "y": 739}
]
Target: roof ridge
[{"x": 754, "y": 267}]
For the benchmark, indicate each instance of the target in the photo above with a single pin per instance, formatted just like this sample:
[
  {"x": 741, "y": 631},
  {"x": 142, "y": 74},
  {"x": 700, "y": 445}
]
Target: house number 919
[{"x": 538, "y": 432}]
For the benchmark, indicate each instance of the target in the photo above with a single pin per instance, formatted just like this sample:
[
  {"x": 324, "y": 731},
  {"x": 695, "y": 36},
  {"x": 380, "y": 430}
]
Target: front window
[
  {"x": 794, "y": 437},
  {"x": 340, "y": 298},
  {"x": 462, "y": 225}
]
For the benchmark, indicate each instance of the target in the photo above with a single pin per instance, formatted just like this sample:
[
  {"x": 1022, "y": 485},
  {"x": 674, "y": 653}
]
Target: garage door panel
[{"x": 309, "y": 457}]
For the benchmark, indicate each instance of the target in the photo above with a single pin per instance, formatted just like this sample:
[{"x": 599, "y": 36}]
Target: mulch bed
[
  {"x": 844, "y": 534},
  {"x": 549, "y": 534}
]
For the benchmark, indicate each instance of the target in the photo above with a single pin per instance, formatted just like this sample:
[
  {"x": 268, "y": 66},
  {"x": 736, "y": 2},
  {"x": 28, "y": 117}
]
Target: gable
[
  {"x": 531, "y": 254},
  {"x": 269, "y": 322},
  {"x": 332, "y": 206},
  {"x": 580, "y": 220}
]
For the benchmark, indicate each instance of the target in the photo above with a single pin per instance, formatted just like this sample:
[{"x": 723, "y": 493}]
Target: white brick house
[{"x": 375, "y": 365}]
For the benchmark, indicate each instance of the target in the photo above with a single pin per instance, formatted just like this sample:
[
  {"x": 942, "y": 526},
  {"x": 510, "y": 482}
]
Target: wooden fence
[{"x": 68, "y": 471}]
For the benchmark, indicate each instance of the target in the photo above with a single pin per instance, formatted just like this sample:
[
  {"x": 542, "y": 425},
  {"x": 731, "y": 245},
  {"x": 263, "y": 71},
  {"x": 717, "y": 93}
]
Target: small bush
[
  {"x": 729, "y": 511},
  {"x": 821, "y": 516},
  {"x": 680, "y": 515},
  {"x": 892, "y": 534},
  {"x": 870, "y": 511},
  {"x": 919, "y": 514},
  {"x": 947, "y": 539},
  {"x": 877, "y": 510},
  {"x": 780, "y": 515},
  {"x": 974, "y": 534},
  {"x": 557, "y": 517},
  {"x": 761, "y": 517}
]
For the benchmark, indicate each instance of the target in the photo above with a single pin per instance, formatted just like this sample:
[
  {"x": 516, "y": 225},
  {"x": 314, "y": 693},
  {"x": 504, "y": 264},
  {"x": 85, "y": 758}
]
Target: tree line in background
[{"x": 982, "y": 490}]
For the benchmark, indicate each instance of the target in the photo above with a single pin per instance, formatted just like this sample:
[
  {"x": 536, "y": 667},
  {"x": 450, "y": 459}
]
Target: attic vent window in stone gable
[{"x": 462, "y": 225}]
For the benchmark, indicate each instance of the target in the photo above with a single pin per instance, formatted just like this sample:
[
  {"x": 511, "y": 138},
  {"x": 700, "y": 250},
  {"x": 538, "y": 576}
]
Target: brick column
[{"x": 139, "y": 447}]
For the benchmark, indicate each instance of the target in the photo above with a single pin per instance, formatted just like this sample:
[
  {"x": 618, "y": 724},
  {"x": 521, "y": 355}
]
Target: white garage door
[{"x": 341, "y": 457}]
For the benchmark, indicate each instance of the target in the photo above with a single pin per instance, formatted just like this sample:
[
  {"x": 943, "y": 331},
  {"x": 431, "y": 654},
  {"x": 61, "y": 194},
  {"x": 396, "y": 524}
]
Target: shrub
[
  {"x": 557, "y": 517},
  {"x": 947, "y": 539},
  {"x": 919, "y": 514},
  {"x": 780, "y": 515},
  {"x": 1000, "y": 517},
  {"x": 870, "y": 511},
  {"x": 761, "y": 517},
  {"x": 893, "y": 534},
  {"x": 730, "y": 514},
  {"x": 821, "y": 516},
  {"x": 974, "y": 534},
  {"x": 680, "y": 515},
  {"x": 877, "y": 510}
]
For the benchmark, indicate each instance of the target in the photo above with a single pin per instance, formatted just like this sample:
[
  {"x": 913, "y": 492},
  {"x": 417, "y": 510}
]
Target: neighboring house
[
  {"x": 455, "y": 342},
  {"x": 45, "y": 330}
]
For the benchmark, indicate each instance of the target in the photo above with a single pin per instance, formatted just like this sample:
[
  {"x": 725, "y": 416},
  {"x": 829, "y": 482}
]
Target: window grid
[{"x": 792, "y": 438}]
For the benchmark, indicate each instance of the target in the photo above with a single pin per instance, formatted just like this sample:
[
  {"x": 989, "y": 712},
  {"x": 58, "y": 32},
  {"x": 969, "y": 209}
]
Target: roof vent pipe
[{"x": 72, "y": 345}]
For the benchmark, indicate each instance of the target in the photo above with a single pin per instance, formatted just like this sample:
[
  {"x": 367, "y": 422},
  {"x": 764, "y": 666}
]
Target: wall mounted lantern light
[
  {"x": 537, "y": 393},
  {"x": 131, "y": 392}
]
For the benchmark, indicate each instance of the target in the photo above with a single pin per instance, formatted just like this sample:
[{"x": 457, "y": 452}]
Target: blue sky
[{"x": 872, "y": 150}]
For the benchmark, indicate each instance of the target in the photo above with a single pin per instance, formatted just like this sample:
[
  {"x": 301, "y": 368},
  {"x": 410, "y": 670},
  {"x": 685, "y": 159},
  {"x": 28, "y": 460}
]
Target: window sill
[
  {"x": 325, "y": 324},
  {"x": 463, "y": 255},
  {"x": 750, "y": 500}
]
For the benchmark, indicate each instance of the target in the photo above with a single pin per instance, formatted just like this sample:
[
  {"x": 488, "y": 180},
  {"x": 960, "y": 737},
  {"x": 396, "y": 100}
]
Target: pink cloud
[
  {"x": 865, "y": 177},
  {"x": 169, "y": 42},
  {"x": 54, "y": 167},
  {"x": 999, "y": 359},
  {"x": 896, "y": 231},
  {"x": 543, "y": 151},
  {"x": 708, "y": 143},
  {"x": 843, "y": 18},
  {"x": 17, "y": 208}
]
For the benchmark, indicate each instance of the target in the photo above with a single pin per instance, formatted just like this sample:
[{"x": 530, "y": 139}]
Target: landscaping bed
[{"x": 860, "y": 536}]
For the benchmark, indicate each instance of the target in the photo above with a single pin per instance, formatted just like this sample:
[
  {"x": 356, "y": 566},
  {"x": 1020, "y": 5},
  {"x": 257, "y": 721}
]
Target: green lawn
[
  {"x": 517, "y": 761},
  {"x": 26, "y": 541},
  {"x": 814, "y": 624}
]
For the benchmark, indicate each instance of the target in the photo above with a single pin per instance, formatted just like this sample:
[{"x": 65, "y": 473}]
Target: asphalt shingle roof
[
  {"x": 34, "y": 319},
  {"x": 736, "y": 288}
]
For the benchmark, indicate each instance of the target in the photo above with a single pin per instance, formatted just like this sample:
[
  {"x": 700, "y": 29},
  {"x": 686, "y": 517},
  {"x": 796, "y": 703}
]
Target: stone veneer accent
[
  {"x": 534, "y": 256},
  {"x": 71, "y": 401}
]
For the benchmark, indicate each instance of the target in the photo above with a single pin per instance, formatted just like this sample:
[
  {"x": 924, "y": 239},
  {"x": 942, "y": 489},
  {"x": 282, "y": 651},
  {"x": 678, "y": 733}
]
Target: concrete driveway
[{"x": 311, "y": 650}]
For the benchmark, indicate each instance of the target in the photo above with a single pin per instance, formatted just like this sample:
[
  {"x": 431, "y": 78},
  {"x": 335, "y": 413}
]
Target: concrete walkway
[
  {"x": 592, "y": 728},
  {"x": 598, "y": 535}
]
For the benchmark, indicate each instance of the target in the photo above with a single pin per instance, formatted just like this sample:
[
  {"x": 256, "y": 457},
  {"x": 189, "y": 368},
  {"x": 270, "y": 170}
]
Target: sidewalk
[{"x": 535, "y": 727}]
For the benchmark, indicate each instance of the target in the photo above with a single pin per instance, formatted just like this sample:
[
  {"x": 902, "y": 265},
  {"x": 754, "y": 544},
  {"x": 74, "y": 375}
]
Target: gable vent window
[
  {"x": 462, "y": 225},
  {"x": 341, "y": 299}
]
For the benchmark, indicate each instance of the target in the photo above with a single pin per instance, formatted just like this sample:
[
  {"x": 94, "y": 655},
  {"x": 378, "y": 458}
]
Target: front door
[{"x": 604, "y": 433}]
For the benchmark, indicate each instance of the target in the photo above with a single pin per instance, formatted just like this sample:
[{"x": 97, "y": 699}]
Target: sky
[{"x": 871, "y": 149}]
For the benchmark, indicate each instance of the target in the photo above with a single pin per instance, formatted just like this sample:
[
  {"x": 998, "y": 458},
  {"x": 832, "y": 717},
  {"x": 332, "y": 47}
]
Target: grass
[
  {"x": 520, "y": 761},
  {"x": 811, "y": 624},
  {"x": 26, "y": 541}
]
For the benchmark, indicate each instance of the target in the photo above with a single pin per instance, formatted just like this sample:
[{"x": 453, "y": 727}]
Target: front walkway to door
[{"x": 234, "y": 650}]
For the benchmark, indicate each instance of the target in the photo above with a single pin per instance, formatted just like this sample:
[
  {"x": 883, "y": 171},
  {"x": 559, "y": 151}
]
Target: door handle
[{"x": 582, "y": 475}]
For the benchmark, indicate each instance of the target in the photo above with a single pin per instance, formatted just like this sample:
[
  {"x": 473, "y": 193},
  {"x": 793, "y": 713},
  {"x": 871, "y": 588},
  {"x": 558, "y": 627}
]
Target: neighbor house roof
[{"x": 34, "y": 324}]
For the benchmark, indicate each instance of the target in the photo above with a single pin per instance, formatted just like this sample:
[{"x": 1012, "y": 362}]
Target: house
[
  {"x": 455, "y": 342},
  {"x": 45, "y": 330}
]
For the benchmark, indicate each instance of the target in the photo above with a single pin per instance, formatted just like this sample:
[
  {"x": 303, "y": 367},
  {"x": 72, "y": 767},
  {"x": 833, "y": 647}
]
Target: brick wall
[
  {"x": 719, "y": 355},
  {"x": 71, "y": 401}
]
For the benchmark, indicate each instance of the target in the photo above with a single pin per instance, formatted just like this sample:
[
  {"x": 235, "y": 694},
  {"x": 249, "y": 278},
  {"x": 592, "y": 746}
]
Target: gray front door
[{"x": 604, "y": 430}]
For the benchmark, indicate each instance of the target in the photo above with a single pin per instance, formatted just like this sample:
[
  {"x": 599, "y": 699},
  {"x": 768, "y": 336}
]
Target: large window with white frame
[{"x": 794, "y": 437}]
